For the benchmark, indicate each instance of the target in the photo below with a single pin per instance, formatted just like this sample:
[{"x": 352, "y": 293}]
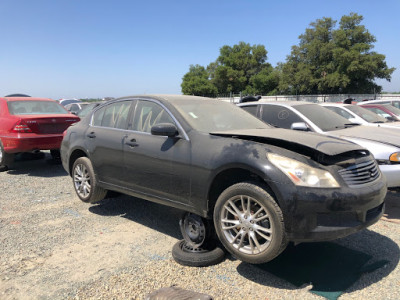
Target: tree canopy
[{"x": 327, "y": 60}]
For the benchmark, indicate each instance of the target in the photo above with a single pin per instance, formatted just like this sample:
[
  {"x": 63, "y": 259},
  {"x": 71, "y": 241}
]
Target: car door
[
  {"x": 105, "y": 138},
  {"x": 158, "y": 166}
]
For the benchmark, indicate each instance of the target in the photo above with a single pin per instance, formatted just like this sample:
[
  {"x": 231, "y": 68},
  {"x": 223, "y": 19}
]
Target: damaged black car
[{"x": 252, "y": 187}]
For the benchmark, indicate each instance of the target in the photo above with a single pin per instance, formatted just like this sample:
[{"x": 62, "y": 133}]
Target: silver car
[
  {"x": 383, "y": 143},
  {"x": 360, "y": 115}
]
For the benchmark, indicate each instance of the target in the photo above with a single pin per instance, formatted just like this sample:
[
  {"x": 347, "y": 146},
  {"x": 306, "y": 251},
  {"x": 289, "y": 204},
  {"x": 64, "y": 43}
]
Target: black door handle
[
  {"x": 132, "y": 143},
  {"x": 91, "y": 135}
]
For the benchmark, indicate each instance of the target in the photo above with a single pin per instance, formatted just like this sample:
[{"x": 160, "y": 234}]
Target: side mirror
[
  {"x": 391, "y": 119},
  {"x": 164, "y": 129},
  {"x": 354, "y": 120},
  {"x": 74, "y": 113},
  {"x": 302, "y": 126}
]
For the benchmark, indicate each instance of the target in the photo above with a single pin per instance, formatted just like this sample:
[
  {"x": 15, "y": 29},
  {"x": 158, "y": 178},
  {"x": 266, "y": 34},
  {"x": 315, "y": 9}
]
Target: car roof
[
  {"x": 335, "y": 104},
  {"x": 281, "y": 103},
  {"x": 9, "y": 99},
  {"x": 168, "y": 98}
]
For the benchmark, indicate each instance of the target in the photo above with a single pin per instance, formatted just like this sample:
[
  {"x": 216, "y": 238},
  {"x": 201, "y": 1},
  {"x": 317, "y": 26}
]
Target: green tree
[
  {"x": 329, "y": 60},
  {"x": 240, "y": 68},
  {"x": 196, "y": 82},
  {"x": 235, "y": 66}
]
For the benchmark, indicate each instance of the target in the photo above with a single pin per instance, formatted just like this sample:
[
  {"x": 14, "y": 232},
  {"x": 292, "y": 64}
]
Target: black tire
[
  {"x": 249, "y": 223},
  {"x": 199, "y": 257},
  {"x": 6, "y": 159},
  {"x": 85, "y": 183},
  {"x": 55, "y": 154}
]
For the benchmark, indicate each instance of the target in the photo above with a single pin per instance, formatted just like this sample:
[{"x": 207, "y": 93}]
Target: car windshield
[
  {"x": 322, "y": 117},
  {"x": 213, "y": 115},
  {"x": 393, "y": 109},
  {"x": 87, "y": 109},
  {"x": 33, "y": 107},
  {"x": 367, "y": 115}
]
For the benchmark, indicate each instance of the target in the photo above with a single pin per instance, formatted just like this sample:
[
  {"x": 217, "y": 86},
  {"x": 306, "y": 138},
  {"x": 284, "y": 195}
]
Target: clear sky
[{"x": 100, "y": 48}]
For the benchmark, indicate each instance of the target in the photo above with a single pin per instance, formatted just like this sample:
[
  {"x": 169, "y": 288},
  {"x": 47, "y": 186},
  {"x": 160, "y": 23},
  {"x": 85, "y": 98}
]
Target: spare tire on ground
[{"x": 197, "y": 257}]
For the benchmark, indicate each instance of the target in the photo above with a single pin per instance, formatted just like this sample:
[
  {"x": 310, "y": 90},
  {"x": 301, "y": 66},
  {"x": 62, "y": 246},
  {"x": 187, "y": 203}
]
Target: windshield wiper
[
  {"x": 351, "y": 124},
  {"x": 378, "y": 122}
]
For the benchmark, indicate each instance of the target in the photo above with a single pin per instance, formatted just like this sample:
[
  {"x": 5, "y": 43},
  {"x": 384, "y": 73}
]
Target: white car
[
  {"x": 394, "y": 102},
  {"x": 383, "y": 143},
  {"x": 64, "y": 102},
  {"x": 360, "y": 115}
]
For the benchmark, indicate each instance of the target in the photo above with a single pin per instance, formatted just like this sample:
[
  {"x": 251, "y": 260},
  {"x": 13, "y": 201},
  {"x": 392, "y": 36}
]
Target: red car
[
  {"x": 387, "y": 111},
  {"x": 30, "y": 124}
]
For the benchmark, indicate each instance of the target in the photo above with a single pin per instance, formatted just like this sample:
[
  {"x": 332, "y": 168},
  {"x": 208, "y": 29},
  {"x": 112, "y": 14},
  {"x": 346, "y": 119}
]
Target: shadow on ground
[
  {"x": 161, "y": 218},
  {"x": 38, "y": 165},
  {"x": 331, "y": 268},
  {"x": 392, "y": 210}
]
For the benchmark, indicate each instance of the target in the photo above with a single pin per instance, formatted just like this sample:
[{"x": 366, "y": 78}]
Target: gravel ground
[{"x": 52, "y": 246}]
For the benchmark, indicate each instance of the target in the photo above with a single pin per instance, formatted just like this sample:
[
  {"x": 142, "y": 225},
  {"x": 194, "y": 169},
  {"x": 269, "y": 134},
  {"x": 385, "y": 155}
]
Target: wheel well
[
  {"x": 230, "y": 177},
  {"x": 74, "y": 156}
]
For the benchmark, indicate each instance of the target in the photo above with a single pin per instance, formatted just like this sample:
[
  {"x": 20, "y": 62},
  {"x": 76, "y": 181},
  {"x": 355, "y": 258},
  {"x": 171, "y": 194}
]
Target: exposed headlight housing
[
  {"x": 302, "y": 174},
  {"x": 395, "y": 157}
]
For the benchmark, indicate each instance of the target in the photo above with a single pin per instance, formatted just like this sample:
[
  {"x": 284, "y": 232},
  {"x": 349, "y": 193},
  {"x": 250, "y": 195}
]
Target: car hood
[
  {"x": 385, "y": 135},
  {"x": 294, "y": 140}
]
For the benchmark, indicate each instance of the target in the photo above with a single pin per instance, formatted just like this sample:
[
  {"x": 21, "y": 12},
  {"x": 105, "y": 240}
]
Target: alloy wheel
[
  {"x": 246, "y": 224},
  {"x": 82, "y": 180}
]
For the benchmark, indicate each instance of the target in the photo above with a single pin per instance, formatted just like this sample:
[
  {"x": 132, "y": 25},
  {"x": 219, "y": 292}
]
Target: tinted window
[
  {"x": 250, "y": 109},
  {"x": 148, "y": 114},
  {"x": 279, "y": 116},
  {"x": 35, "y": 108},
  {"x": 114, "y": 115}
]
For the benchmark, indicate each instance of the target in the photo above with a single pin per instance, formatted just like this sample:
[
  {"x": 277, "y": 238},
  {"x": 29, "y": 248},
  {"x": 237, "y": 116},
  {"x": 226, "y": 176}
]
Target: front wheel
[
  {"x": 249, "y": 223},
  {"x": 85, "y": 183}
]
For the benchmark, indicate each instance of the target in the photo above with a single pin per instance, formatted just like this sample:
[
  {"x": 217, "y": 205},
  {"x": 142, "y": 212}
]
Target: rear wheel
[
  {"x": 249, "y": 223},
  {"x": 85, "y": 183},
  {"x": 6, "y": 159}
]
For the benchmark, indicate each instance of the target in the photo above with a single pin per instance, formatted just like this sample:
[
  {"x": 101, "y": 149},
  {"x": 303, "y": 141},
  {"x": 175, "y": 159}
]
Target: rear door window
[{"x": 114, "y": 115}]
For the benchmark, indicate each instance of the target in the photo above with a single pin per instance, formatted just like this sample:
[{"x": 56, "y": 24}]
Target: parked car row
[
  {"x": 242, "y": 182},
  {"x": 245, "y": 185}
]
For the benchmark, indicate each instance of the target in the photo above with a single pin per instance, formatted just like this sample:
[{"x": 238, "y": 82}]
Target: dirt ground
[{"x": 53, "y": 246}]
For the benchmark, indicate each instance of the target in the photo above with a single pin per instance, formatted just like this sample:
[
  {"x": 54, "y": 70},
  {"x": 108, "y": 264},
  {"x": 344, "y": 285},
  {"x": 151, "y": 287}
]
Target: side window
[
  {"x": 396, "y": 104},
  {"x": 114, "y": 115},
  {"x": 98, "y": 116},
  {"x": 148, "y": 114},
  {"x": 279, "y": 116},
  {"x": 340, "y": 111},
  {"x": 250, "y": 109}
]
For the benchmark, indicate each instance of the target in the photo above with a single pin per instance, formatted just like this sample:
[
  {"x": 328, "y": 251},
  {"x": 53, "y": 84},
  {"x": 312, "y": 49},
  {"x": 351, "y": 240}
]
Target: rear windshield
[{"x": 33, "y": 107}]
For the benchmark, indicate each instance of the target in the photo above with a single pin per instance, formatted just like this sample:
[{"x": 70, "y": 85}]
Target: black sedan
[{"x": 259, "y": 187}]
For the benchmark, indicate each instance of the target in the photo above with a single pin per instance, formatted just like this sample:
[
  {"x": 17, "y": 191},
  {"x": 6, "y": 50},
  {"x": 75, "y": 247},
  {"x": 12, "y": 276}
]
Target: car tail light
[{"x": 21, "y": 126}]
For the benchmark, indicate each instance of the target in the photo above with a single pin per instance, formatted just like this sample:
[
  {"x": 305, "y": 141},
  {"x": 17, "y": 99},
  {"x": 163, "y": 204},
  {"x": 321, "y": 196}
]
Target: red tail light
[{"x": 21, "y": 126}]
